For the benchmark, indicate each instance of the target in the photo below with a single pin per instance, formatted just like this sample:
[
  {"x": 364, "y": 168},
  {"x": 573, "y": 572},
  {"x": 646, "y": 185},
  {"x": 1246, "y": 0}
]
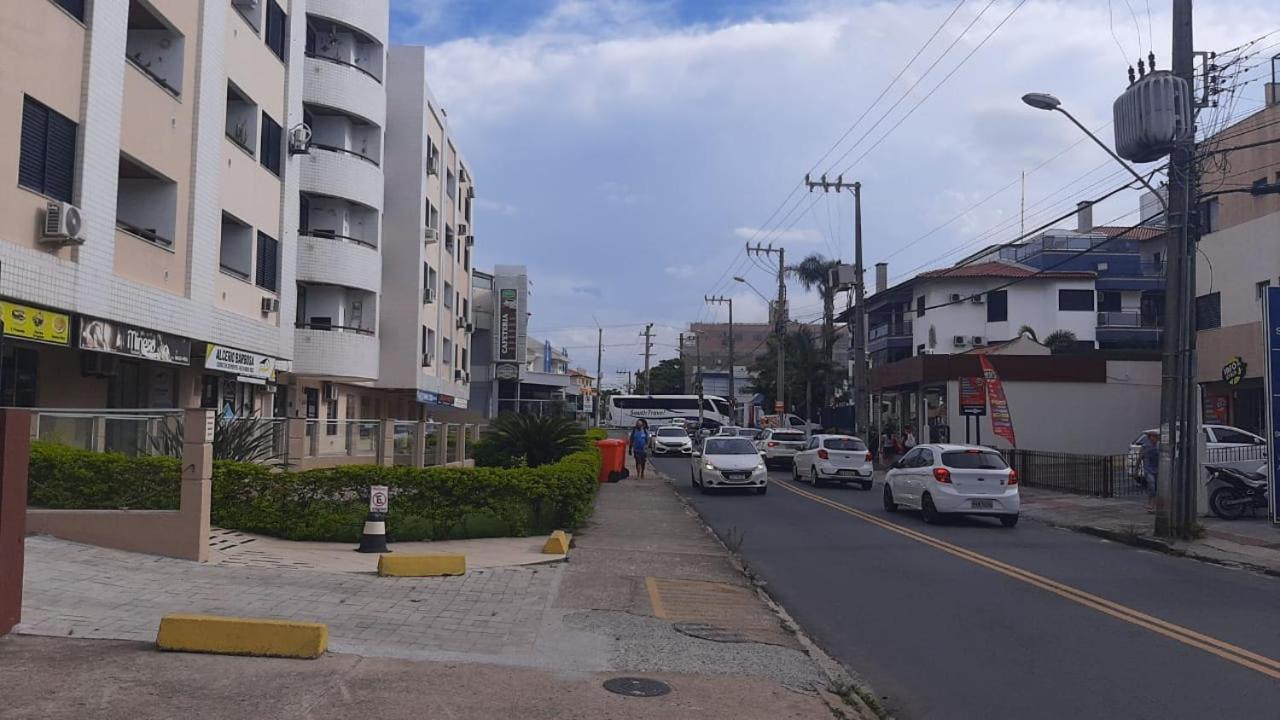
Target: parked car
[
  {"x": 730, "y": 430},
  {"x": 1226, "y": 446},
  {"x": 727, "y": 462},
  {"x": 672, "y": 440},
  {"x": 837, "y": 458},
  {"x": 941, "y": 480},
  {"x": 779, "y": 446}
]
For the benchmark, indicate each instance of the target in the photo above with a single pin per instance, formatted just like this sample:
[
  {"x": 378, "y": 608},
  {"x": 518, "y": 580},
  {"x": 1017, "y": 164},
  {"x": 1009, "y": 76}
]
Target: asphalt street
[{"x": 972, "y": 620}]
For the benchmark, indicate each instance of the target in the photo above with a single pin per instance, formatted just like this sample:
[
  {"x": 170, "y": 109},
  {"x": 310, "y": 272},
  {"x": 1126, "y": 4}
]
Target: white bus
[{"x": 624, "y": 410}]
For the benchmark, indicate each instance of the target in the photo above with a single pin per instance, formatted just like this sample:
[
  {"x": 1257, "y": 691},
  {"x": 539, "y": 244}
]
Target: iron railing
[{"x": 1098, "y": 475}]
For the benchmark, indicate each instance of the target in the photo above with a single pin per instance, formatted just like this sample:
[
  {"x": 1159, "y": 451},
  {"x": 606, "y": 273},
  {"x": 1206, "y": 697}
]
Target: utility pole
[
  {"x": 648, "y": 347},
  {"x": 697, "y": 384},
  {"x": 1179, "y": 468},
  {"x": 599, "y": 374},
  {"x": 684, "y": 377},
  {"x": 859, "y": 331},
  {"x": 628, "y": 374},
  {"x": 733, "y": 395},
  {"x": 779, "y": 319}
]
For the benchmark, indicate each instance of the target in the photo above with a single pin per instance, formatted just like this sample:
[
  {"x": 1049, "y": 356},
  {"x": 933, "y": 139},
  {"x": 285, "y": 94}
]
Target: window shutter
[
  {"x": 269, "y": 151},
  {"x": 60, "y": 158},
  {"x": 35, "y": 123},
  {"x": 276, "y": 22},
  {"x": 268, "y": 262}
]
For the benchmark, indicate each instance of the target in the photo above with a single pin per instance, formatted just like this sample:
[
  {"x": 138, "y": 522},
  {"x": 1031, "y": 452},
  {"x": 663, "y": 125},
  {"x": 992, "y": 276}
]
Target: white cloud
[
  {"x": 791, "y": 235},
  {"x": 680, "y": 271}
]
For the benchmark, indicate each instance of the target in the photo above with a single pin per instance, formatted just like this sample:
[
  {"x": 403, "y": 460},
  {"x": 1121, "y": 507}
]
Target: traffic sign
[{"x": 378, "y": 498}]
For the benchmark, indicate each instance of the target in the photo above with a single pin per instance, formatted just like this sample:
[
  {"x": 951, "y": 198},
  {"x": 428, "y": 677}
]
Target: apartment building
[
  {"x": 1238, "y": 259},
  {"x": 145, "y": 249}
]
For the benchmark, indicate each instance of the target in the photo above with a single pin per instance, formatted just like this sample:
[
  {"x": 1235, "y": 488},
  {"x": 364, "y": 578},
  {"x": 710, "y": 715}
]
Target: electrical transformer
[{"x": 1151, "y": 116}]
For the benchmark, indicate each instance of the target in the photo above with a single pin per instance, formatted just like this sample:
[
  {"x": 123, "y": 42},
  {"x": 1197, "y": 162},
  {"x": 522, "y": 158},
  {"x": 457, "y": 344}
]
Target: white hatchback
[
  {"x": 729, "y": 462},
  {"x": 779, "y": 446},
  {"x": 943, "y": 480},
  {"x": 837, "y": 458}
]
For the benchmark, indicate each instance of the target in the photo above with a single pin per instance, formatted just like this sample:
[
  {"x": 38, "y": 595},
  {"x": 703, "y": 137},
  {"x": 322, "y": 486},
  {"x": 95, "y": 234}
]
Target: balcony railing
[
  {"x": 902, "y": 328},
  {"x": 329, "y": 234},
  {"x": 345, "y": 151},
  {"x": 336, "y": 61},
  {"x": 1125, "y": 319},
  {"x": 333, "y": 328}
]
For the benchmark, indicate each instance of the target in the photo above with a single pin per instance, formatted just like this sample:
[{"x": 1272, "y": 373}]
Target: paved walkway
[{"x": 1247, "y": 542}]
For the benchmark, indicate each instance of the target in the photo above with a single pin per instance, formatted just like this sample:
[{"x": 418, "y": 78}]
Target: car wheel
[
  {"x": 762, "y": 490},
  {"x": 1008, "y": 520},
  {"x": 889, "y": 504},
  {"x": 928, "y": 511},
  {"x": 795, "y": 472},
  {"x": 814, "y": 480}
]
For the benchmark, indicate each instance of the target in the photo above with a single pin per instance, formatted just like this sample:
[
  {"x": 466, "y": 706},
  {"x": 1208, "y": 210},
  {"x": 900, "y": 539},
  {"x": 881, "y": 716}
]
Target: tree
[
  {"x": 809, "y": 373},
  {"x": 814, "y": 273},
  {"x": 516, "y": 439},
  {"x": 1029, "y": 332},
  {"x": 668, "y": 378},
  {"x": 1060, "y": 341}
]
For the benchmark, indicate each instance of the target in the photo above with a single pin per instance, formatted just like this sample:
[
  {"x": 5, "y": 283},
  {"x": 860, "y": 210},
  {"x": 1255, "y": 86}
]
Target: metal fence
[
  {"x": 131, "y": 432},
  {"x": 1097, "y": 475}
]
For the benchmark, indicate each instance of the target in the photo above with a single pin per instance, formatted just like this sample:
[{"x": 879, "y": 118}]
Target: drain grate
[{"x": 637, "y": 687}]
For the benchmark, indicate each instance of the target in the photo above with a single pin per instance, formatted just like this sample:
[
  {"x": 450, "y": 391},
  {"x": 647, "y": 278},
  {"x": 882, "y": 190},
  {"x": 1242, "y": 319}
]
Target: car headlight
[
  {"x": 760, "y": 467},
  {"x": 709, "y": 466}
]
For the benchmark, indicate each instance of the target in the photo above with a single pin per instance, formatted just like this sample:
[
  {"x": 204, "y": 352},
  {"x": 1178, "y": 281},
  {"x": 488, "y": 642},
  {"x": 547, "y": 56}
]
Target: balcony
[
  {"x": 332, "y": 260},
  {"x": 335, "y": 352},
  {"x": 889, "y": 335},
  {"x": 367, "y": 16},
  {"x": 336, "y": 83},
  {"x": 338, "y": 172},
  {"x": 1127, "y": 329}
]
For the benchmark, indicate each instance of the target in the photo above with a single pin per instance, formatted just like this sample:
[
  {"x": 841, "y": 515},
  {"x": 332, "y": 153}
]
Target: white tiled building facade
[{"x": 219, "y": 258}]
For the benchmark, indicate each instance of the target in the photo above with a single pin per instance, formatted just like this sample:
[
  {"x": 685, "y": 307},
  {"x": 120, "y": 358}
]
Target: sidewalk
[
  {"x": 1252, "y": 543},
  {"x": 646, "y": 591}
]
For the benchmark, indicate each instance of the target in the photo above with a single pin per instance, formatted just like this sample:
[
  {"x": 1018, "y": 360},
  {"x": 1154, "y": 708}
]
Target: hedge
[{"x": 331, "y": 503}]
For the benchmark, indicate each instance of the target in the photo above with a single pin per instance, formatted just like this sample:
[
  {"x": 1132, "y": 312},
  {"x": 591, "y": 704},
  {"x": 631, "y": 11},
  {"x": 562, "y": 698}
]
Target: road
[{"x": 972, "y": 620}]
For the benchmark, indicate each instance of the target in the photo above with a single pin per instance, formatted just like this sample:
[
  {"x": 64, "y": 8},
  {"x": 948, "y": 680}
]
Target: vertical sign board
[
  {"x": 1001, "y": 420},
  {"x": 973, "y": 396},
  {"x": 1271, "y": 322}
]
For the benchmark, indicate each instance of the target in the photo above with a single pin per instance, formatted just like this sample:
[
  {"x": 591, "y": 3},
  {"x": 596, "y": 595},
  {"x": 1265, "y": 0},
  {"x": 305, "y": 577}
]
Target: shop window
[
  {"x": 47, "y": 156},
  {"x": 18, "y": 377},
  {"x": 998, "y": 306}
]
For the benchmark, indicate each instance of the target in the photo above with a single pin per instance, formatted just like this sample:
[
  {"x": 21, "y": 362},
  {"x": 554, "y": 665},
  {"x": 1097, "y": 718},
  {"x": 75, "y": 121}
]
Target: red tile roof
[
  {"x": 1002, "y": 270},
  {"x": 1141, "y": 233}
]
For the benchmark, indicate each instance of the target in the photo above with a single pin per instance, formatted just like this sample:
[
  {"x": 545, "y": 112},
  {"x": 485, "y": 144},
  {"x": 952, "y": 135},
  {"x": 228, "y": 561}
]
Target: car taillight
[
  {"x": 942, "y": 475},
  {"x": 824, "y": 455},
  {"x": 773, "y": 444},
  {"x": 1013, "y": 476},
  {"x": 868, "y": 457}
]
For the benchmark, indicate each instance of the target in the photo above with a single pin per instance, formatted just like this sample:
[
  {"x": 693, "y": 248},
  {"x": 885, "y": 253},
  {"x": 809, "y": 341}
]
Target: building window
[
  {"x": 1260, "y": 289},
  {"x": 998, "y": 306},
  {"x": 1075, "y": 300},
  {"x": 268, "y": 275},
  {"x": 1209, "y": 221},
  {"x": 331, "y": 427},
  {"x": 424, "y": 340},
  {"x": 448, "y": 295},
  {"x": 252, "y": 14},
  {"x": 466, "y": 259},
  {"x": 451, "y": 184},
  {"x": 464, "y": 365},
  {"x": 277, "y": 24},
  {"x": 432, "y": 215},
  {"x": 235, "y": 255},
  {"x": 154, "y": 47},
  {"x": 242, "y": 119},
  {"x": 1109, "y": 301},
  {"x": 74, "y": 7},
  {"x": 448, "y": 352},
  {"x": 1209, "y": 311},
  {"x": 431, "y": 341},
  {"x": 448, "y": 239},
  {"x": 920, "y": 306},
  {"x": 269, "y": 152},
  {"x": 47, "y": 157},
  {"x": 466, "y": 309},
  {"x": 146, "y": 203},
  {"x": 19, "y": 370}
]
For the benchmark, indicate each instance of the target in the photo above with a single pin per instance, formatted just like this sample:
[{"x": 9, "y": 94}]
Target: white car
[
  {"x": 780, "y": 446},
  {"x": 729, "y": 462},
  {"x": 943, "y": 480},
  {"x": 838, "y": 458},
  {"x": 728, "y": 430},
  {"x": 1226, "y": 446},
  {"x": 672, "y": 440}
]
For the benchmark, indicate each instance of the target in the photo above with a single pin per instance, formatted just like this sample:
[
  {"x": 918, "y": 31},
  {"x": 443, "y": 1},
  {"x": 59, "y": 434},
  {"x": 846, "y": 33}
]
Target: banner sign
[
  {"x": 28, "y": 323},
  {"x": 1271, "y": 323},
  {"x": 508, "y": 324},
  {"x": 973, "y": 396},
  {"x": 425, "y": 396},
  {"x": 239, "y": 362},
  {"x": 120, "y": 339},
  {"x": 1001, "y": 420}
]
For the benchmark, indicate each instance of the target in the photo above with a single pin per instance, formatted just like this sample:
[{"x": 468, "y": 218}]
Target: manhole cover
[
  {"x": 706, "y": 631},
  {"x": 636, "y": 687}
]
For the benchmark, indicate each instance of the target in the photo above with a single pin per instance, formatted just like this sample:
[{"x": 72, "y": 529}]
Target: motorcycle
[{"x": 1237, "y": 490}]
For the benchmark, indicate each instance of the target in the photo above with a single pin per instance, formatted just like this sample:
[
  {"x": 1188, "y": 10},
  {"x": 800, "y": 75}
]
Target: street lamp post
[{"x": 778, "y": 329}]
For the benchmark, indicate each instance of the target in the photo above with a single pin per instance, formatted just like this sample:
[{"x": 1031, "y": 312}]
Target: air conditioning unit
[
  {"x": 462, "y": 323},
  {"x": 428, "y": 295},
  {"x": 426, "y": 359},
  {"x": 432, "y": 167},
  {"x": 956, "y": 297},
  {"x": 976, "y": 299},
  {"x": 959, "y": 341},
  {"x": 63, "y": 224},
  {"x": 462, "y": 229},
  {"x": 330, "y": 391},
  {"x": 471, "y": 240},
  {"x": 430, "y": 235},
  {"x": 470, "y": 328},
  {"x": 978, "y": 340},
  {"x": 270, "y": 305},
  {"x": 299, "y": 136}
]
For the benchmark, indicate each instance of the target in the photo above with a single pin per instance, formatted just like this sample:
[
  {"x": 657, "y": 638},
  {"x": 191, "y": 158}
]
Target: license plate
[
  {"x": 849, "y": 473},
  {"x": 735, "y": 476},
  {"x": 981, "y": 504}
]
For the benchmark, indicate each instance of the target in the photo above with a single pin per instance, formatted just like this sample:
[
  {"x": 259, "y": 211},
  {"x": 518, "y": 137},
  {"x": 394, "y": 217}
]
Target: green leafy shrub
[
  {"x": 539, "y": 440},
  {"x": 248, "y": 439},
  {"x": 331, "y": 503},
  {"x": 594, "y": 434}
]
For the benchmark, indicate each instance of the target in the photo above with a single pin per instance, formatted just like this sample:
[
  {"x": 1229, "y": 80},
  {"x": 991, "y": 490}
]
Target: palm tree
[
  {"x": 814, "y": 272},
  {"x": 1029, "y": 332},
  {"x": 1060, "y": 341}
]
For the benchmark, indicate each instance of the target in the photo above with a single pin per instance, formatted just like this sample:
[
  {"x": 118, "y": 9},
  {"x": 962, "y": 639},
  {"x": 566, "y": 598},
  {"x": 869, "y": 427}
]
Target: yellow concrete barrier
[
  {"x": 242, "y": 636},
  {"x": 422, "y": 565},
  {"x": 557, "y": 544}
]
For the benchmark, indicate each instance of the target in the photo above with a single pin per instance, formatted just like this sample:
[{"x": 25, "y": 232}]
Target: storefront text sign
[
  {"x": 1234, "y": 371},
  {"x": 28, "y": 323},
  {"x": 1001, "y": 420},
  {"x": 508, "y": 324},
  {"x": 120, "y": 339},
  {"x": 239, "y": 362},
  {"x": 973, "y": 396}
]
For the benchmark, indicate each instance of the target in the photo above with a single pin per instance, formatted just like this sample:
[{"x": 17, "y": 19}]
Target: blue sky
[{"x": 626, "y": 150}]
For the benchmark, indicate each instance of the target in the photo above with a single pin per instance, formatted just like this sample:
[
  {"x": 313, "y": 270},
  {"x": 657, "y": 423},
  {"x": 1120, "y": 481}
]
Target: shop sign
[
  {"x": 1234, "y": 371},
  {"x": 508, "y": 323},
  {"x": 425, "y": 396},
  {"x": 239, "y": 362},
  {"x": 1217, "y": 409},
  {"x": 1001, "y": 420},
  {"x": 973, "y": 396},
  {"x": 1272, "y": 325},
  {"x": 460, "y": 403},
  {"x": 28, "y": 323},
  {"x": 120, "y": 339},
  {"x": 507, "y": 371},
  {"x": 446, "y": 399}
]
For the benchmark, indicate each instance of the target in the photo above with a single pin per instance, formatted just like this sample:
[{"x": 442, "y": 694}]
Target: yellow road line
[
  {"x": 1186, "y": 636},
  {"x": 655, "y": 598}
]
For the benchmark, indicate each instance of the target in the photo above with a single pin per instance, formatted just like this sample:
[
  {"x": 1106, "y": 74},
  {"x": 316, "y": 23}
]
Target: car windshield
[
  {"x": 844, "y": 444},
  {"x": 748, "y": 433},
  {"x": 973, "y": 460},
  {"x": 729, "y": 446},
  {"x": 787, "y": 436},
  {"x": 672, "y": 432}
]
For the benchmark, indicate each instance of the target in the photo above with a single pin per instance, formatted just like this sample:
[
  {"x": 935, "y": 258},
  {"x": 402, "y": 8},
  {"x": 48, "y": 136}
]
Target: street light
[
  {"x": 753, "y": 289},
  {"x": 1045, "y": 101}
]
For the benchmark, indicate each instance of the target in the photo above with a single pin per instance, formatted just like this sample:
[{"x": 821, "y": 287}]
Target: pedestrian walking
[
  {"x": 909, "y": 439},
  {"x": 1149, "y": 448},
  {"x": 638, "y": 443}
]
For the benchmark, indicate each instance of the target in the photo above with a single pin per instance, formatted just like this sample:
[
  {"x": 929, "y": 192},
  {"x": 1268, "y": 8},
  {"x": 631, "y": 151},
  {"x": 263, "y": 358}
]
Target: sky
[{"x": 626, "y": 151}]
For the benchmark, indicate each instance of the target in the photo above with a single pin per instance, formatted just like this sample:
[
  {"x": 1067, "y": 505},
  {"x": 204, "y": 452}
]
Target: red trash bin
[{"x": 613, "y": 460}]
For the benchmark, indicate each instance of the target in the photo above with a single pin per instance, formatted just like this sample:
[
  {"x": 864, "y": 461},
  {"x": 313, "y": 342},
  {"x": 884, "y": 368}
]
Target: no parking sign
[{"x": 378, "y": 500}]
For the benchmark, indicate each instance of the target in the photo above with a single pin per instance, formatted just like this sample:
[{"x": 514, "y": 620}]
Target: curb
[
  {"x": 242, "y": 636},
  {"x": 422, "y": 565},
  {"x": 845, "y": 691},
  {"x": 558, "y": 543},
  {"x": 1168, "y": 548}
]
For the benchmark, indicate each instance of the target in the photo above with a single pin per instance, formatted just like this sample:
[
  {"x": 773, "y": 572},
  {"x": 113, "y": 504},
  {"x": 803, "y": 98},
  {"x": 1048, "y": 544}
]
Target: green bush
[
  {"x": 594, "y": 434},
  {"x": 536, "y": 440},
  {"x": 331, "y": 504}
]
